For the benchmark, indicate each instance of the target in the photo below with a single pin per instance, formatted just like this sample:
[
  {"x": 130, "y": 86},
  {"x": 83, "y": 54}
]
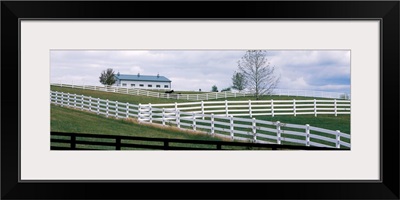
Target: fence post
[
  {"x": 294, "y": 107},
  {"x": 212, "y": 123},
  {"x": 163, "y": 116},
  {"x": 254, "y": 130},
  {"x": 338, "y": 139},
  {"x": 56, "y": 97},
  {"x": 315, "y": 107},
  {"x": 82, "y": 102},
  {"x": 194, "y": 121},
  {"x": 250, "y": 113},
  {"x": 226, "y": 107},
  {"x": 127, "y": 110},
  {"x": 62, "y": 99},
  {"x": 225, "y": 94},
  {"x": 307, "y": 135},
  {"x": 139, "y": 111},
  {"x": 272, "y": 108},
  {"x": 98, "y": 106},
  {"x": 150, "y": 113},
  {"x": 74, "y": 100},
  {"x": 178, "y": 118},
  {"x": 232, "y": 131},
  {"x": 197, "y": 96},
  {"x": 176, "y": 106},
  {"x": 187, "y": 97},
  {"x": 73, "y": 142},
  {"x": 278, "y": 132},
  {"x": 68, "y": 99},
  {"x": 207, "y": 96},
  {"x": 107, "y": 108},
  {"x": 335, "y": 108},
  {"x": 216, "y": 95},
  {"x": 116, "y": 109},
  {"x": 118, "y": 143},
  {"x": 137, "y": 92},
  {"x": 235, "y": 94},
  {"x": 202, "y": 108},
  {"x": 90, "y": 103}
]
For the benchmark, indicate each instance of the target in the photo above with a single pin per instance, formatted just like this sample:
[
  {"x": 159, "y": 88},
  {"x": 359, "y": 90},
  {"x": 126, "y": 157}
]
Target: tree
[
  {"x": 238, "y": 81},
  {"x": 214, "y": 88},
  {"x": 228, "y": 89},
  {"x": 258, "y": 73},
  {"x": 107, "y": 77}
]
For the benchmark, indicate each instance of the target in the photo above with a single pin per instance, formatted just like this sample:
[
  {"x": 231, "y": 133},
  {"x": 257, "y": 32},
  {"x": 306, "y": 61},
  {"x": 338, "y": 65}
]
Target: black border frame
[{"x": 386, "y": 11}]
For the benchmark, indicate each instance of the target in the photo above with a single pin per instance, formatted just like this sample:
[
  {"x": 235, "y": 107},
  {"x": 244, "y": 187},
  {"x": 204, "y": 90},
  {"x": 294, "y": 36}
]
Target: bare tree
[
  {"x": 258, "y": 73},
  {"x": 107, "y": 77}
]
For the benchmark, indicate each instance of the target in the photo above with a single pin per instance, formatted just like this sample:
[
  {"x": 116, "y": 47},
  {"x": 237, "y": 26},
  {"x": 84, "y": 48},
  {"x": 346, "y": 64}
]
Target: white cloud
[{"x": 200, "y": 69}]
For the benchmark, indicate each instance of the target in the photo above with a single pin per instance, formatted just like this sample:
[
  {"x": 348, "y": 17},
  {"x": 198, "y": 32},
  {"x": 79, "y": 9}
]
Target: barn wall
[{"x": 145, "y": 84}]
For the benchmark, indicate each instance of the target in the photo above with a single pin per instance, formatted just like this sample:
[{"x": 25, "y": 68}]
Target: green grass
[
  {"x": 341, "y": 122},
  {"x": 134, "y": 99},
  {"x": 181, "y": 92},
  {"x": 144, "y": 99},
  {"x": 70, "y": 120}
]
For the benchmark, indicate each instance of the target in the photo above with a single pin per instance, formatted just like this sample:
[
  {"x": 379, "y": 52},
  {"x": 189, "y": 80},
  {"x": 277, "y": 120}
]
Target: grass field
[
  {"x": 143, "y": 99},
  {"x": 70, "y": 120},
  {"x": 75, "y": 121},
  {"x": 62, "y": 123},
  {"x": 341, "y": 122}
]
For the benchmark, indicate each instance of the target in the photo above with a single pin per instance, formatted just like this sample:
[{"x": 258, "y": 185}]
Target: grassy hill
[
  {"x": 70, "y": 120},
  {"x": 340, "y": 122},
  {"x": 144, "y": 99}
]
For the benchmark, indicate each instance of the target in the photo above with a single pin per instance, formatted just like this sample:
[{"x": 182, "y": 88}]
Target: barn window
[
  {"x": 157, "y": 86},
  {"x": 149, "y": 85},
  {"x": 132, "y": 85},
  {"x": 141, "y": 85},
  {"x": 123, "y": 84},
  {"x": 165, "y": 86}
]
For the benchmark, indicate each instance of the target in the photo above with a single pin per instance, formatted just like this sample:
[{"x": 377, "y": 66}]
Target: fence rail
[
  {"x": 140, "y": 92},
  {"x": 204, "y": 96},
  {"x": 257, "y": 131},
  {"x": 82, "y": 141},
  {"x": 258, "y": 108}
]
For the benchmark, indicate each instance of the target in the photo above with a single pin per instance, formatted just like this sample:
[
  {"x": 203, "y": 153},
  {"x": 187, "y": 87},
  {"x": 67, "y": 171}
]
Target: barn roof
[{"x": 140, "y": 77}]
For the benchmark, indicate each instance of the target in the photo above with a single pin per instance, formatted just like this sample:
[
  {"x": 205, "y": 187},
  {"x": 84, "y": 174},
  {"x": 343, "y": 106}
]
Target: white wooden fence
[
  {"x": 100, "y": 106},
  {"x": 245, "y": 129},
  {"x": 262, "y": 107},
  {"x": 203, "y": 96},
  {"x": 310, "y": 93},
  {"x": 175, "y": 95},
  {"x": 232, "y": 127}
]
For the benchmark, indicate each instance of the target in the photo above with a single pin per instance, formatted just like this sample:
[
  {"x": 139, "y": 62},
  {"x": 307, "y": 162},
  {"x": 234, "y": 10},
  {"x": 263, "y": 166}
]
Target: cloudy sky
[{"x": 201, "y": 69}]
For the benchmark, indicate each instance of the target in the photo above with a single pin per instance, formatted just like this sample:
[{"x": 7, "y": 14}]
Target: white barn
[{"x": 142, "y": 81}]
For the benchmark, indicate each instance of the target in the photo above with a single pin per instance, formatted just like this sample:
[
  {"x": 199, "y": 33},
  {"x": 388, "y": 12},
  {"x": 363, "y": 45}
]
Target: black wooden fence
[{"x": 83, "y": 141}]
